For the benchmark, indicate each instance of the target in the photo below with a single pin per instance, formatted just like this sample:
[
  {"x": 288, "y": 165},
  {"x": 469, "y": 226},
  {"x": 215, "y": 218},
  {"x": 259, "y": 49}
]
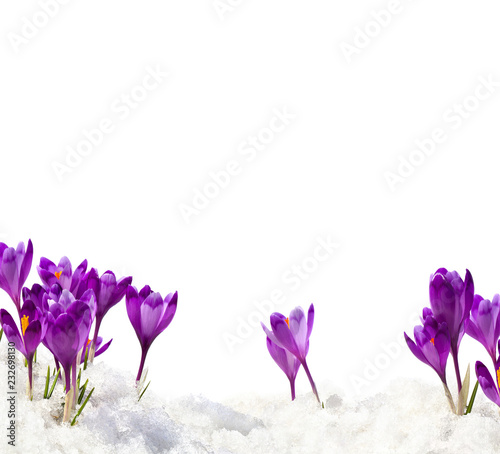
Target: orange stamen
[
  {"x": 287, "y": 322},
  {"x": 24, "y": 323},
  {"x": 432, "y": 340},
  {"x": 58, "y": 274},
  {"x": 498, "y": 377}
]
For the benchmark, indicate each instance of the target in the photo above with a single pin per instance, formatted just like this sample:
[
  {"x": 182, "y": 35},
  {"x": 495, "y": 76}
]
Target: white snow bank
[{"x": 409, "y": 417}]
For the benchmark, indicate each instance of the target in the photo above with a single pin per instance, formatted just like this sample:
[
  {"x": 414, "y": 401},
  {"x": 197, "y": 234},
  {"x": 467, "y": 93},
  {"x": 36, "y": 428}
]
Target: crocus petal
[
  {"x": 171, "y": 306},
  {"x": 11, "y": 331},
  {"x": 103, "y": 348},
  {"x": 25, "y": 265},
  {"x": 298, "y": 328},
  {"x": 488, "y": 386},
  {"x": 151, "y": 312},
  {"x": 32, "y": 337},
  {"x": 133, "y": 305},
  {"x": 416, "y": 350},
  {"x": 287, "y": 362},
  {"x": 284, "y": 335},
  {"x": 10, "y": 271},
  {"x": 310, "y": 320}
]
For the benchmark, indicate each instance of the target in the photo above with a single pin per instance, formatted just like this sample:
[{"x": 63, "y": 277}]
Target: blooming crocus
[
  {"x": 61, "y": 274},
  {"x": 432, "y": 344},
  {"x": 288, "y": 363},
  {"x": 484, "y": 323},
  {"x": 292, "y": 334},
  {"x": 490, "y": 387},
  {"x": 451, "y": 301},
  {"x": 108, "y": 292},
  {"x": 149, "y": 315},
  {"x": 33, "y": 329},
  {"x": 15, "y": 265},
  {"x": 67, "y": 333}
]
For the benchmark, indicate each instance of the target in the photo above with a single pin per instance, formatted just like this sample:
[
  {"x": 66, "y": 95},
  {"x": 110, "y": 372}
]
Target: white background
[{"x": 322, "y": 176}]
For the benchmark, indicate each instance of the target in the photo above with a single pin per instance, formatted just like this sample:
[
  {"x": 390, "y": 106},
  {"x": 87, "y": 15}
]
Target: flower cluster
[
  {"x": 61, "y": 311},
  {"x": 456, "y": 310}
]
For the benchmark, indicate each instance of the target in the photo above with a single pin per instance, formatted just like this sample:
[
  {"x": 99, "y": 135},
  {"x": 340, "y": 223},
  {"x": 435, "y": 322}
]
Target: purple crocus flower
[
  {"x": 61, "y": 274},
  {"x": 33, "y": 329},
  {"x": 432, "y": 345},
  {"x": 484, "y": 323},
  {"x": 69, "y": 323},
  {"x": 288, "y": 363},
  {"x": 451, "y": 301},
  {"x": 15, "y": 265},
  {"x": 108, "y": 292},
  {"x": 292, "y": 334},
  {"x": 150, "y": 315}
]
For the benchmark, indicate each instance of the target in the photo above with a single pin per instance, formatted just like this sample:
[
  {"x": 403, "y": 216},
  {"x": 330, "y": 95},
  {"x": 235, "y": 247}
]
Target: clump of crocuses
[
  {"x": 455, "y": 311},
  {"x": 60, "y": 312},
  {"x": 443, "y": 327},
  {"x": 288, "y": 343}
]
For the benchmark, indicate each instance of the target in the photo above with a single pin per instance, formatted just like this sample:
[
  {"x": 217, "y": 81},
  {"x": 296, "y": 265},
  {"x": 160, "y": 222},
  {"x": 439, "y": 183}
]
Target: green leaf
[
  {"x": 54, "y": 384},
  {"x": 47, "y": 381},
  {"x": 471, "y": 402},
  {"x": 144, "y": 391},
  {"x": 464, "y": 393},
  {"x": 86, "y": 357},
  {"x": 82, "y": 392},
  {"x": 1, "y": 334},
  {"x": 82, "y": 407},
  {"x": 35, "y": 355}
]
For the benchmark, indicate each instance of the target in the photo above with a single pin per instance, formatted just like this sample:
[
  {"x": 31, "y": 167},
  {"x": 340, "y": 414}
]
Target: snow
[{"x": 409, "y": 416}]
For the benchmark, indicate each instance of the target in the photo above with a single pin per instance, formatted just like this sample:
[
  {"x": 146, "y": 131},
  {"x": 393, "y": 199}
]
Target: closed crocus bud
[
  {"x": 15, "y": 265},
  {"x": 150, "y": 315},
  {"x": 451, "y": 302}
]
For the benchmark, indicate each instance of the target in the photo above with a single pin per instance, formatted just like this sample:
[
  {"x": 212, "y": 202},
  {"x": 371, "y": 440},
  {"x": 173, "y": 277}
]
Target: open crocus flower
[
  {"x": 292, "y": 334},
  {"x": 288, "y": 363},
  {"x": 33, "y": 329},
  {"x": 108, "y": 292},
  {"x": 432, "y": 345},
  {"x": 490, "y": 387},
  {"x": 484, "y": 323},
  {"x": 61, "y": 274},
  {"x": 150, "y": 315},
  {"x": 15, "y": 265},
  {"x": 451, "y": 301}
]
